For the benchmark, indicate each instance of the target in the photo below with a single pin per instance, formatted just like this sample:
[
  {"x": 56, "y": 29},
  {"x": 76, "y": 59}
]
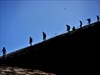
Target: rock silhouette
[{"x": 61, "y": 54}]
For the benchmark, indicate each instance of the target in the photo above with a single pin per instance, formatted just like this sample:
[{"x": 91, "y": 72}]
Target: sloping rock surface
[{"x": 7, "y": 70}]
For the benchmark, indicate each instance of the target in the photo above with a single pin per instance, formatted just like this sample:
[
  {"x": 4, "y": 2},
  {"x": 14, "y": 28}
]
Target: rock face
[
  {"x": 7, "y": 70},
  {"x": 68, "y": 51}
]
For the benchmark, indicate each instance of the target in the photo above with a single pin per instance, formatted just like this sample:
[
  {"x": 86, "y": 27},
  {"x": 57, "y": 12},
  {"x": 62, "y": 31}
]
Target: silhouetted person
[
  {"x": 89, "y": 21},
  {"x": 80, "y": 24},
  {"x": 73, "y": 29},
  {"x": 98, "y": 18},
  {"x": 4, "y": 51},
  {"x": 68, "y": 28},
  {"x": 30, "y": 41},
  {"x": 44, "y": 35}
]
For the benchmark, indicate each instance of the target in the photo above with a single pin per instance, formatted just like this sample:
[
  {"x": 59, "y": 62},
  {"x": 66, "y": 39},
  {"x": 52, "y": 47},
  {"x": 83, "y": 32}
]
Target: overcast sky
[{"x": 20, "y": 19}]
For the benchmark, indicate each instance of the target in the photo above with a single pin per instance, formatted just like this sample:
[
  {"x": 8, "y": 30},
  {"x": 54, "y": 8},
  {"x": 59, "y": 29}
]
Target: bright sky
[{"x": 20, "y": 19}]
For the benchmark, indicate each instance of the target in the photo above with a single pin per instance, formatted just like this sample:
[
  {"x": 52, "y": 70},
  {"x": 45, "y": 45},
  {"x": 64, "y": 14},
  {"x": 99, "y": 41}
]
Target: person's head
[
  {"x": 3, "y": 47},
  {"x": 30, "y": 37}
]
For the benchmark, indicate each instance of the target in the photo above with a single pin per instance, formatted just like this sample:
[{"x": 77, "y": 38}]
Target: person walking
[
  {"x": 68, "y": 27},
  {"x": 4, "y": 51},
  {"x": 73, "y": 29},
  {"x": 30, "y": 41},
  {"x": 44, "y": 35},
  {"x": 98, "y": 18},
  {"x": 80, "y": 24},
  {"x": 89, "y": 21}
]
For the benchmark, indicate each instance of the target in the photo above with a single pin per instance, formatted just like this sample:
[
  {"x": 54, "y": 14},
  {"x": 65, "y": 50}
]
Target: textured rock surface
[{"x": 6, "y": 70}]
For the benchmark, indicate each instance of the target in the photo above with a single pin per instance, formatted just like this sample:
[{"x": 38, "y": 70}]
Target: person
[
  {"x": 89, "y": 21},
  {"x": 73, "y": 29},
  {"x": 4, "y": 51},
  {"x": 44, "y": 35},
  {"x": 30, "y": 41},
  {"x": 68, "y": 28},
  {"x": 80, "y": 24},
  {"x": 98, "y": 18}
]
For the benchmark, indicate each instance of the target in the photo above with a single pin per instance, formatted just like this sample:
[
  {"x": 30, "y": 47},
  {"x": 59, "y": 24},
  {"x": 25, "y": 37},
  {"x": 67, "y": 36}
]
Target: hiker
[
  {"x": 89, "y": 21},
  {"x": 44, "y": 35},
  {"x": 30, "y": 41},
  {"x": 80, "y": 24},
  {"x": 4, "y": 51},
  {"x": 73, "y": 29},
  {"x": 98, "y": 18},
  {"x": 68, "y": 28}
]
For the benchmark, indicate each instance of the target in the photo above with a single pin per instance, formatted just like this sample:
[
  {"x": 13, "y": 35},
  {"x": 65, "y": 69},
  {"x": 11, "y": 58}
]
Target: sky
[{"x": 20, "y": 19}]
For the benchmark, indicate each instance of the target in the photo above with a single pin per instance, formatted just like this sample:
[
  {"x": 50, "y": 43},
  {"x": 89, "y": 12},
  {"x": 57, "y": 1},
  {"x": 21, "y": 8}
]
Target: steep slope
[
  {"x": 7, "y": 70},
  {"x": 71, "y": 50}
]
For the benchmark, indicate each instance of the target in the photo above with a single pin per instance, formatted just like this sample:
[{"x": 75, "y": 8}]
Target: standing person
[
  {"x": 80, "y": 24},
  {"x": 30, "y": 41},
  {"x": 98, "y": 18},
  {"x": 44, "y": 35},
  {"x": 73, "y": 29},
  {"x": 89, "y": 21},
  {"x": 4, "y": 51},
  {"x": 68, "y": 28}
]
